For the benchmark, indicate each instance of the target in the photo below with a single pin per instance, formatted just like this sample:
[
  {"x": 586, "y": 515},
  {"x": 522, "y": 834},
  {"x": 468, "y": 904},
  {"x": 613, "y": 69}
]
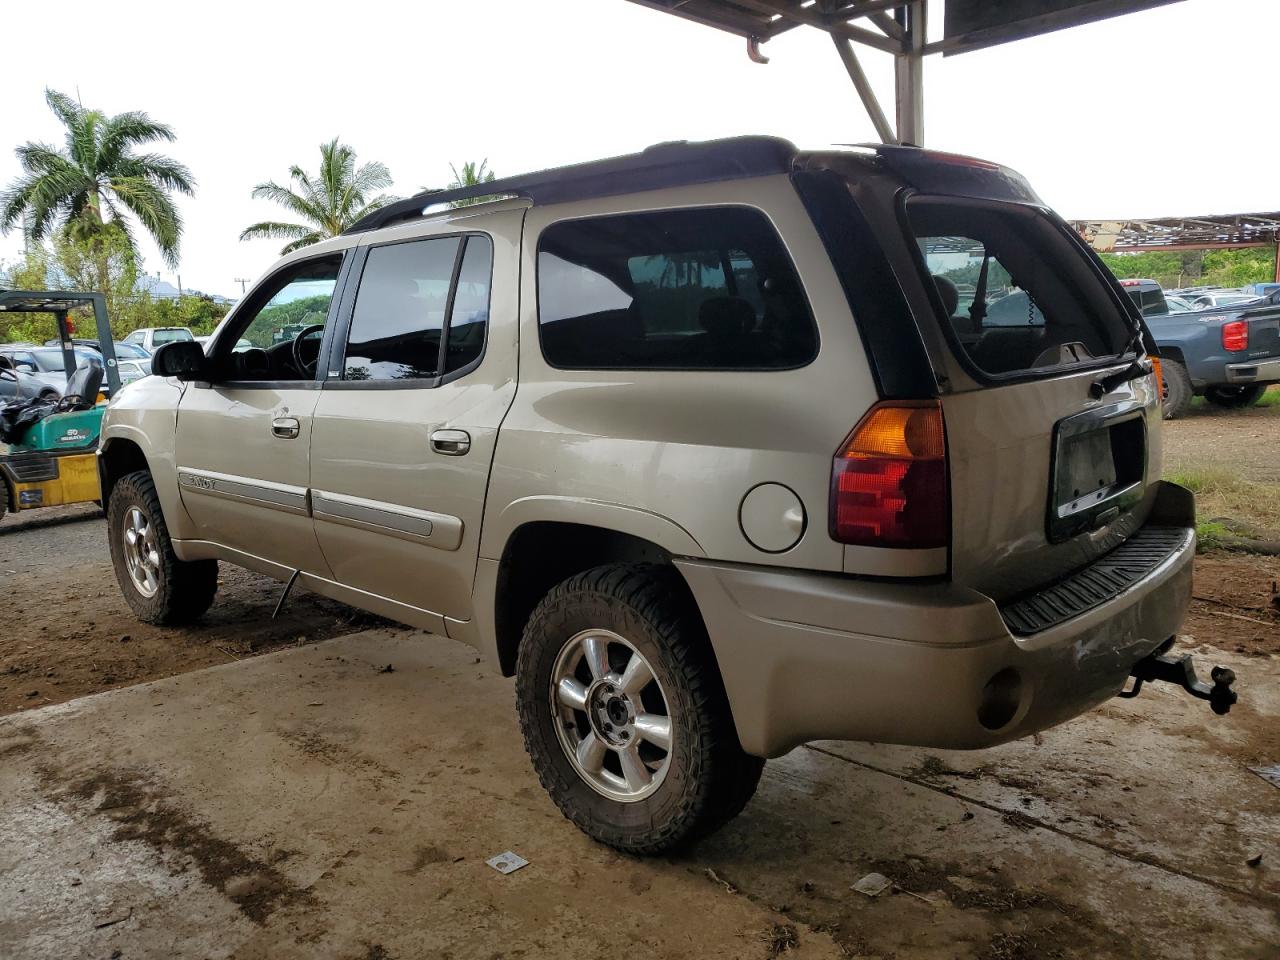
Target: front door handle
[
  {"x": 451, "y": 443},
  {"x": 286, "y": 428}
]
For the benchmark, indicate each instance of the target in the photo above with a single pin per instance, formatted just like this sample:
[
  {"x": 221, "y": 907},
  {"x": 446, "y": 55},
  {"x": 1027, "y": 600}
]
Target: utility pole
[{"x": 242, "y": 281}]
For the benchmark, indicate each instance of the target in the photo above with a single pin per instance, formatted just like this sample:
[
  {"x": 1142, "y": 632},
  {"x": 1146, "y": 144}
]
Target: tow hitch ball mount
[{"x": 1181, "y": 671}]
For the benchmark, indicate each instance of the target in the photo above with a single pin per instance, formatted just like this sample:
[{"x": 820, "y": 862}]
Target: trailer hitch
[{"x": 1160, "y": 665}]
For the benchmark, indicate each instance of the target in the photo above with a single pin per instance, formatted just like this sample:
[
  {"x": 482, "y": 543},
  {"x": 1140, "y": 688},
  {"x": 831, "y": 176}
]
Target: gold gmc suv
[{"x": 718, "y": 448}]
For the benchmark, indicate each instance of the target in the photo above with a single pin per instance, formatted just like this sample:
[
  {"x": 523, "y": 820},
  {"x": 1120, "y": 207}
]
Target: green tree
[
  {"x": 1228, "y": 267},
  {"x": 327, "y": 204},
  {"x": 102, "y": 261},
  {"x": 84, "y": 187},
  {"x": 470, "y": 175}
]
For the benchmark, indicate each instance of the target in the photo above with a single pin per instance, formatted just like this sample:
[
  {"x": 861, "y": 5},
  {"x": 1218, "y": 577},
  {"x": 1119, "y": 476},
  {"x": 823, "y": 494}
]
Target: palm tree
[
  {"x": 327, "y": 204},
  {"x": 94, "y": 176},
  {"x": 469, "y": 176}
]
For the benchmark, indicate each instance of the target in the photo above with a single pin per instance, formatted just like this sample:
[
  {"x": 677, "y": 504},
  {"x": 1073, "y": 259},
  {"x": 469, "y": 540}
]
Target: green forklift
[{"x": 48, "y": 448}]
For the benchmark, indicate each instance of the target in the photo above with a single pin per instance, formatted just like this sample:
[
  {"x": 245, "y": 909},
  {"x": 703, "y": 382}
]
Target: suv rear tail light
[
  {"x": 889, "y": 479},
  {"x": 1235, "y": 335}
]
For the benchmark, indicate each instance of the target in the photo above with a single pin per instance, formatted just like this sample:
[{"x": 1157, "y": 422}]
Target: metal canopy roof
[
  {"x": 44, "y": 301},
  {"x": 1182, "y": 233},
  {"x": 898, "y": 27}
]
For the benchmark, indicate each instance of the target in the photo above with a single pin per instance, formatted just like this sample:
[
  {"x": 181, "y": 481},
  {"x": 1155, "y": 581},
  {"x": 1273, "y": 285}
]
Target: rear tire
[
  {"x": 615, "y": 781},
  {"x": 158, "y": 586},
  {"x": 1177, "y": 389},
  {"x": 1234, "y": 398}
]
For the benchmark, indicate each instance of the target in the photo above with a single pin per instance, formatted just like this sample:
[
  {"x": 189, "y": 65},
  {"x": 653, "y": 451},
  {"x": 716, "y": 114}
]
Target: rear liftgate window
[
  {"x": 1017, "y": 294},
  {"x": 707, "y": 289}
]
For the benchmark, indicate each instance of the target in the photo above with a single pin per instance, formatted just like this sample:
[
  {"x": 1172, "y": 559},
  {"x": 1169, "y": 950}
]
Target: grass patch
[
  {"x": 1270, "y": 398},
  {"x": 1210, "y": 535},
  {"x": 1220, "y": 493}
]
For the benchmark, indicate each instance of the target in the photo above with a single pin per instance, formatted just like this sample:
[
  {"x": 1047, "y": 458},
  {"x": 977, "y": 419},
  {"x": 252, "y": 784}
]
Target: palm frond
[
  {"x": 154, "y": 210},
  {"x": 126, "y": 130},
  {"x": 288, "y": 199},
  {"x": 160, "y": 170},
  {"x": 63, "y": 107},
  {"x": 372, "y": 176},
  {"x": 304, "y": 241},
  {"x": 275, "y": 230}
]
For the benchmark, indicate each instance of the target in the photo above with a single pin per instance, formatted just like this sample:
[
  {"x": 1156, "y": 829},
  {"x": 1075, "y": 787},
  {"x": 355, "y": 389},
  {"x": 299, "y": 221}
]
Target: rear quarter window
[{"x": 696, "y": 289}]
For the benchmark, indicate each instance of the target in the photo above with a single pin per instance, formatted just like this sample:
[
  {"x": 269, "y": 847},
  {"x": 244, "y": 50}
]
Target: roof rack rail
[{"x": 672, "y": 164}]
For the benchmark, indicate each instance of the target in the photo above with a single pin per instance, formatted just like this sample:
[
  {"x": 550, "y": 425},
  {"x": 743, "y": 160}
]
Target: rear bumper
[
  {"x": 810, "y": 657},
  {"x": 1261, "y": 371}
]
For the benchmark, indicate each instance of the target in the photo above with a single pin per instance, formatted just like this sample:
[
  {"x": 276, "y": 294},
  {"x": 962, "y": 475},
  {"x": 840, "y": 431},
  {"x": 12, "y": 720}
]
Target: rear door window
[
  {"x": 1018, "y": 295},
  {"x": 701, "y": 289},
  {"x": 407, "y": 292}
]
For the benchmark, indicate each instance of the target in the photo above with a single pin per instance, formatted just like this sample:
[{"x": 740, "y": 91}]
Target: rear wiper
[{"x": 1139, "y": 368}]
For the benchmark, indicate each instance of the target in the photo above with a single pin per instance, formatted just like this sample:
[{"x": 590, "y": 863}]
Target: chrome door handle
[
  {"x": 286, "y": 428},
  {"x": 451, "y": 443}
]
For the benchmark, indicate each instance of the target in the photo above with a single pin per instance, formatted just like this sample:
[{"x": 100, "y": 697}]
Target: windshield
[
  {"x": 169, "y": 336},
  {"x": 1018, "y": 294}
]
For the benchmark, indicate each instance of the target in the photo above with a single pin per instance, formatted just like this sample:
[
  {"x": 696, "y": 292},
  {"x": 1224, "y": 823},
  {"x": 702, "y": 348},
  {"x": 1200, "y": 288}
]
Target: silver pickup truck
[{"x": 701, "y": 445}]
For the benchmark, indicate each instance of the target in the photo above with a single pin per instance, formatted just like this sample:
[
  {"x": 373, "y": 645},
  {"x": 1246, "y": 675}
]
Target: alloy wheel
[
  {"x": 141, "y": 557},
  {"x": 611, "y": 715}
]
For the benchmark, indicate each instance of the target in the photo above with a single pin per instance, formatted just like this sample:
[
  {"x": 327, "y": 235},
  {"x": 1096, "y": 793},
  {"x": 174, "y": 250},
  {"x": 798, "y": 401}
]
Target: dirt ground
[
  {"x": 65, "y": 630},
  {"x": 1242, "y": 441}
]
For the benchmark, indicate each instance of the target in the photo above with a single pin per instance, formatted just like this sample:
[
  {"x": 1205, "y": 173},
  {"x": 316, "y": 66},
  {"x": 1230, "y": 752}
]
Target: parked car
[
  {"x": 45, "y": 364},
  {"x": 149, "y": 338},
  {"x": 1225, "y": 298},
  {"x": 1178, "y": 304},
  {"x": 16, "y": 384},
  {"x": 1229, "y": 354},
  {"x": 132, "y": 361},
  {"x": 1147, "y": 295},
  {"x": 699, "y": 445}
]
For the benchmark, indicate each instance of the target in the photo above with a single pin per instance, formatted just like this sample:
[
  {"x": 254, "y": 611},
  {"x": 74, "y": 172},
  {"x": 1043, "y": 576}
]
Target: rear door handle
[
  {"x": 451, "y": 443},
  {"x": 286, "y": 428}
]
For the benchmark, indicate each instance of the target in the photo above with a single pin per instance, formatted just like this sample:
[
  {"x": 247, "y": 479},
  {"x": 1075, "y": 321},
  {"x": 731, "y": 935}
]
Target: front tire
[
  {"x": 159, "y": 587},
  {"x": 624, "y": 714},
  {"x": 1235, "y": 398}
]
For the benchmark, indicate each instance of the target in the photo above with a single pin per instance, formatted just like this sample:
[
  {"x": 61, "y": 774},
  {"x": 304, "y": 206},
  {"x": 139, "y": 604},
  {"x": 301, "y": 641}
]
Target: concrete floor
[{"x": 305, "y": 804}]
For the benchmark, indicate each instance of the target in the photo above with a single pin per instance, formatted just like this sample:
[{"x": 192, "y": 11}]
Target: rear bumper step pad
[{"x": 1103, "y": 580}]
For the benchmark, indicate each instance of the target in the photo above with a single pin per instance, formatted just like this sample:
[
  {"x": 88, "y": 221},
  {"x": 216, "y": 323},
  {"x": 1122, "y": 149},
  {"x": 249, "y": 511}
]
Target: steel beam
[
  {"x": 860, "y": 83},
  {"x": 909, "y": 73}
]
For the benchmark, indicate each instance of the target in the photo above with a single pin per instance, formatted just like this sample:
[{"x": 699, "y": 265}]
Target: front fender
[{"x": 146, "y": 415}]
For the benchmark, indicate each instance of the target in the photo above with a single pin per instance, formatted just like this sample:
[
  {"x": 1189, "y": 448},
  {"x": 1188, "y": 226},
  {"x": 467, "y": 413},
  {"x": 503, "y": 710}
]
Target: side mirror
[{"x": 183, "y": 359}]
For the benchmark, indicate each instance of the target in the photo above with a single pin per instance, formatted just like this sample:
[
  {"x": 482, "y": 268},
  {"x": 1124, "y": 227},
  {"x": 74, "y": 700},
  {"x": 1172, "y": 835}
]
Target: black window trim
[
  {"x": 335, "y": 358},
  {"x": 983, "y": 377},
  {"x": 732, "y": 205},
  {"x": 255, "y": 302}
]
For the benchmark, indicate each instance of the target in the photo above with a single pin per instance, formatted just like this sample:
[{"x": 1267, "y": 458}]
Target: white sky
[{"x": 1114, "y": 119}]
